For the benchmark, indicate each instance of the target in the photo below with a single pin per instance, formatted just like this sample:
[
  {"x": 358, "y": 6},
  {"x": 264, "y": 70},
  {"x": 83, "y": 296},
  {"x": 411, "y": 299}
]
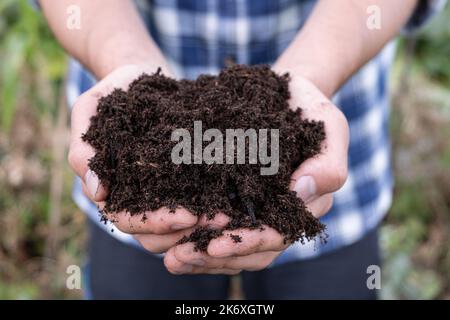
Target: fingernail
[
  {"x": 92, "y": 183},
  {"x": 305, "y": 188},
  {"x": 180, "y": 226},
  {"x": 198, "y": 262}
]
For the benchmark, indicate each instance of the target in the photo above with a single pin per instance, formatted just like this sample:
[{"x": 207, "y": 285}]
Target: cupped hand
[
  {"x": 162, "y": 229},
  {"x": 314, "y": 181}
]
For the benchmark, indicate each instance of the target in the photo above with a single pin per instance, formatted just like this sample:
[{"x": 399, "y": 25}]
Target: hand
[
  {"x": 317, "y": 178},
  {"x": 162, "y": 229},
  {"x": 314, "y": 181}
]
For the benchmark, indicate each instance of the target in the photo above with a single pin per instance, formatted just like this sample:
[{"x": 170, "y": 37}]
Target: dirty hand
[
  {"x": 314, "y": 181},
  {"x": 162, "y": 229}
]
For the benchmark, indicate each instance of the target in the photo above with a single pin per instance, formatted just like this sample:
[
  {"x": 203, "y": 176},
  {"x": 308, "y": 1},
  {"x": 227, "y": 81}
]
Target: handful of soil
[{"x": 131, "y": 134}]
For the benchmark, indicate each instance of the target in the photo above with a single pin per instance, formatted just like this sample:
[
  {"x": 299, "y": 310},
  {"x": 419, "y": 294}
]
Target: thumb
[
  {"x": 316, "y": 177},
  {"x": 84, "y": 108},
  {"x": 327, "y": 171},
  {"x": 79, "y": 151}
]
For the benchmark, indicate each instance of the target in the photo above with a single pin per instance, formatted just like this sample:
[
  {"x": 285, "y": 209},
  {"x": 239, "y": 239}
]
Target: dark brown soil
[
  {"x": 131, "y": 134},
  {"x": 236, "y": 238},
  {"x": 201, "y": 237}
]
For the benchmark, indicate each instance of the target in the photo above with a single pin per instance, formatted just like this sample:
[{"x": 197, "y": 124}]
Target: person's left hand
[{"x": 322, "y": 175}]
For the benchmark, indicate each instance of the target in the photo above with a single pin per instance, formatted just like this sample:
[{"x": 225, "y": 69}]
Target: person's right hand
[{"x": 162, "y": 229}]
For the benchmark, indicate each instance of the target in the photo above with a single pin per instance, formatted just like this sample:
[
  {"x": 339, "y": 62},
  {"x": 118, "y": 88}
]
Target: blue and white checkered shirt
[{"x": 198, "y": 36}]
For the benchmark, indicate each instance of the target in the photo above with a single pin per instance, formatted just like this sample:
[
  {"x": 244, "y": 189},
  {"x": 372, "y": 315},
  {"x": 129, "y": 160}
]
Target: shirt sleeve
[
  {"x": 35, "y": 4},
  {"x": 423, "y": 12}
]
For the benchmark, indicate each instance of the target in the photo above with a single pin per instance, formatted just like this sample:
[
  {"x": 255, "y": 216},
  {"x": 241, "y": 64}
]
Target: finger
[
  {"x": 99, "y": 195},
  {"x": 156, "y": 243},
  {"x": 320, "y": 206},
  {"x": 174, "y": 266},
  {"x": 220, "y": 220},
  {"x": 252, "y": 241},
  {"x": 254, "y": 262},
  {"x": 187, "y": 254},
  {"x": 161, "y": 221},
  {"x": 79, "y": 151}
]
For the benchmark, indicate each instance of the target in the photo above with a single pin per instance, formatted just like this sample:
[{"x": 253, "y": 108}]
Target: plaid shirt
[{"x": 199, "y": 36}]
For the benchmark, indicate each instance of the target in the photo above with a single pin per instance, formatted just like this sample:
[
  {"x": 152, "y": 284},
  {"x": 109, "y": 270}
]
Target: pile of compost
[{"x": 131, "y": 134}]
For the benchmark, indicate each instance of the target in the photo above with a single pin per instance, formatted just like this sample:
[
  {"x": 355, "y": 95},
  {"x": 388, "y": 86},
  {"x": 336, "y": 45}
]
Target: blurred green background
[{"x": 42, "y": 231}]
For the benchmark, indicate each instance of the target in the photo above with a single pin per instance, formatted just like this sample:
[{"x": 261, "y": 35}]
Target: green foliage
[
  {"x": 415, "y": 235},
  {"x": 402, "y": 279},
  {"x": 18, "y": 291},
  {"x": 446, "y": 156},
  {"x": 32, "y": 68},
  {"x": 410, "y": 203},
  {"x": 433, "y": 48},
  {"x": 29, "y": 55}
]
